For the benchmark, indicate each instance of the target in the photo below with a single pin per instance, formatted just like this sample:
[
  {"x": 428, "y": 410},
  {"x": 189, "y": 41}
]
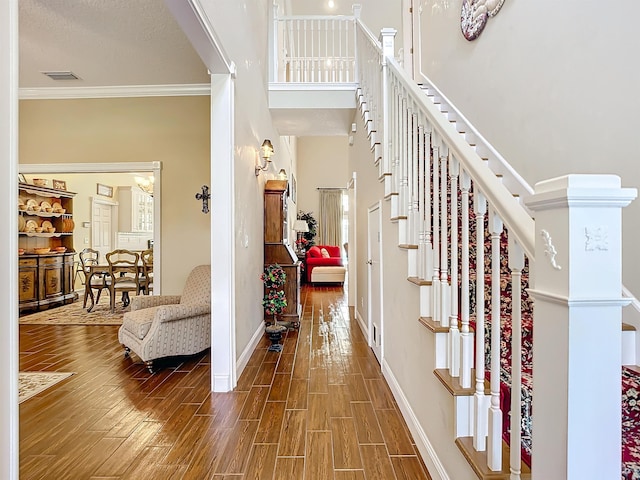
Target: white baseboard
[
  {"x": 248, "y": 350},
  {"x": 363, "y": 324},
  {"x": 222, "y": 383},
  {"x": 428, "y": 453}
]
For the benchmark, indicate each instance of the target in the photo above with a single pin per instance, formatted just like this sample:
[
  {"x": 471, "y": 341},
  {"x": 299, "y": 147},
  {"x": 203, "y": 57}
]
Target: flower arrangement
[
  {"x": 273, "y": 276},
  {"x": 274, "y": 301}
]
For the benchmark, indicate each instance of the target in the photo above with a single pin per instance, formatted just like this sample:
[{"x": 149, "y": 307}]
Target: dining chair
[
  {"x": 124, "y": 275},
  {"x": 92, "y": 281},
  {"x": 146, "y": 280}
]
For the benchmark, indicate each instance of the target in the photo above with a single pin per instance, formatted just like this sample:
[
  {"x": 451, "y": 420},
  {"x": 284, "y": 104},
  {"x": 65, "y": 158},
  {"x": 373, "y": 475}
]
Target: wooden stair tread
[
  {"x": 628, "y": 328},
  {"x": 408, "y": 246},
  {"x": 478, "y": 461},
  {"x": 453, "y": 386},
  {"x": 432, "y": 325}
]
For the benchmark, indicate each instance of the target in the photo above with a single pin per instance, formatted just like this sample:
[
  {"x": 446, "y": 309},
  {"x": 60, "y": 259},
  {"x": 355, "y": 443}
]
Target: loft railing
[
  {"x": 313, "y": 49},
  {"x": 470, "y": 241}
]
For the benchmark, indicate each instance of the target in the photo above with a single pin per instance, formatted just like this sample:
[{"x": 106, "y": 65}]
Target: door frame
[
  {"x": 378, "y": 349},
  {"x": 153, "y": 168}
]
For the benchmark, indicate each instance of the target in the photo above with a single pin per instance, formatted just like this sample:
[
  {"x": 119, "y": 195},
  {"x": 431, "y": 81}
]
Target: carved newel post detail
[{"x": 577, "y": 326}]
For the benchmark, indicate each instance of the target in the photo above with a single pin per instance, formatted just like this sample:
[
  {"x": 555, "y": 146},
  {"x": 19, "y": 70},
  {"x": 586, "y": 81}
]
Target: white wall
[
  {"x": 322, "y": 162},
  {"x": 242, "y": 30},
  {"x": 552, "y": 85}
]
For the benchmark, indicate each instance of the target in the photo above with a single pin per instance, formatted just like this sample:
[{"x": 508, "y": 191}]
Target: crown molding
[{"x": 53, "y": 93}]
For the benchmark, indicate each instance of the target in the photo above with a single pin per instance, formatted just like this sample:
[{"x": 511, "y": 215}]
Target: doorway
[
  {"x": 374, "y": 262},
  {"x": 90, "y": 234}
]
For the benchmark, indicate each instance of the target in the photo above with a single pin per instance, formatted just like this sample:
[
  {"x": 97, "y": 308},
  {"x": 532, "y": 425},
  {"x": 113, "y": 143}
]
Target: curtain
[{"x": 330, "y": 221}]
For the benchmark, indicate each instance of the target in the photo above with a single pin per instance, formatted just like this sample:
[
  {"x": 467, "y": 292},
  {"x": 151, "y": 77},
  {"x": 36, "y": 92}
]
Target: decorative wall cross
[{"x": 204, "y": 196}]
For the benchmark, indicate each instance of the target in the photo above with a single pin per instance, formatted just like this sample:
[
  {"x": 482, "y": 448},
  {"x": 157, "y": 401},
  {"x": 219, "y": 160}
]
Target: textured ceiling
[{"x": 105, "y": 43}]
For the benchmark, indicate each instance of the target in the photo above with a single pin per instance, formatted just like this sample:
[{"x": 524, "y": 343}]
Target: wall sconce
[
  {"x": 282, "y": 174},
  {"x": 266, "y": 153}
]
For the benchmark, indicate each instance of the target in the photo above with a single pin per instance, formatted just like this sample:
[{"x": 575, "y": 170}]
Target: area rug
[
  {"x": 32, "y": 383},
  {"x": 74, "y": 314}
]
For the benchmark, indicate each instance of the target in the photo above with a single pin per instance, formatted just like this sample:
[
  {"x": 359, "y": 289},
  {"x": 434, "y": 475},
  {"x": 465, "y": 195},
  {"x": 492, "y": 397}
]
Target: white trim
[
  {"x": 122, "y": 91},
  {"x": 579, "y": 302},
  {"x": 427, "y": 452},
  {"x": 117, "y": 167},
  {"x": 223, "y": 250},
  {"x": 245, "y": 356},
  {"x": 9, "y": 358},
  {"x": 221, "y": 383},
  {"x": 312, "y": 87},
  {"x": 363, "y": 324}
]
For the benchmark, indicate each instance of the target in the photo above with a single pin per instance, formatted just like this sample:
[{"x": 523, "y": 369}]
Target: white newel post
[{"x": 577, "y": 327}]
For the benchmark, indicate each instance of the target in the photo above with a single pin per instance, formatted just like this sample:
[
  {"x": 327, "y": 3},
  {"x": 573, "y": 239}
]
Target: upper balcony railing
[{"x": 313, "y": 49}]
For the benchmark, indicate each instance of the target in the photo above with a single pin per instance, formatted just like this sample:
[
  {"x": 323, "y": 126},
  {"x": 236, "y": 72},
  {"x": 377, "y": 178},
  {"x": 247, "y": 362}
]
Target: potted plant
[{"x": 274, "y": 302}]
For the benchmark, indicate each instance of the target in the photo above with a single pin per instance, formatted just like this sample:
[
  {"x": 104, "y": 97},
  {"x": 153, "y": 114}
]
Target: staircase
[{"x": 427, "y": 154}]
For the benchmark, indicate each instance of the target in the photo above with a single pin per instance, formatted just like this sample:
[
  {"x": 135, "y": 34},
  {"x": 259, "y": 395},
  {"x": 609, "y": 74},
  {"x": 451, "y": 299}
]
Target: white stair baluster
[
  {"x": 466, "y": 336},
  {"x": 435, "y": 217},
  {"x": 444, "y": 260},
  {"x": 454, "y": 332},
  {"x": 421, "y": 199},
  {"x": 479, "y": 400},
  {"x": 494, "y": 447},
  {"x": 516, "y": 264}
]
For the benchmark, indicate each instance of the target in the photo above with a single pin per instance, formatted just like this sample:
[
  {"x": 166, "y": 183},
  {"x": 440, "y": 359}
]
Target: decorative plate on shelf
[
  {"x": 45, "y": 205},
  {"x": 47, "y": 224},
  {"x": 31, "y": 203},
  {"x": 56, "y": 206},
  {"x": 20, "y": 201},
  {"x": 21, "y": 223}
]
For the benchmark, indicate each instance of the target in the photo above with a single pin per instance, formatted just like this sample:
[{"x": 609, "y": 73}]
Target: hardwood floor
[{"x": 318, "y": 410}]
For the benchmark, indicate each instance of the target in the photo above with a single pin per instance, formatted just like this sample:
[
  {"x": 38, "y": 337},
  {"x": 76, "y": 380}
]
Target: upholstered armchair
[{"x": 170, "y": 325}]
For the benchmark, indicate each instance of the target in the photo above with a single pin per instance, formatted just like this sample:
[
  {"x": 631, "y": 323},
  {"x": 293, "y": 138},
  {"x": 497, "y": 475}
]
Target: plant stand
[{"x": 274, "y": 332}]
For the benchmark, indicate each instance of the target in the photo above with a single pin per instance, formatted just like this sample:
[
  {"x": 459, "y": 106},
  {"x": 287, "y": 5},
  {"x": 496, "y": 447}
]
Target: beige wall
[
  {"x": 172, "y": 130},
  {"x": 322, "y": 162},
  {"x": 553, "y": 86}
]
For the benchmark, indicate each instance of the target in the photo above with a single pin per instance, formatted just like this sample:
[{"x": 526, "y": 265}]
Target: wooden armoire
[{"x": 277, "y": 248}]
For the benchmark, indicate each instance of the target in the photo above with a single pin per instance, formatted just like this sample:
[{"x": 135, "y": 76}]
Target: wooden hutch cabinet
[
  {"x": 45, "y": 247},
  {"x": 277, "y": 248}
]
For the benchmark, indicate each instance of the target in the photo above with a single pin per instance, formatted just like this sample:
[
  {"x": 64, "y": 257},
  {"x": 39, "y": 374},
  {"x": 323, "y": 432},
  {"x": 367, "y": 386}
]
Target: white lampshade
[{"x": 301, "y": 226}]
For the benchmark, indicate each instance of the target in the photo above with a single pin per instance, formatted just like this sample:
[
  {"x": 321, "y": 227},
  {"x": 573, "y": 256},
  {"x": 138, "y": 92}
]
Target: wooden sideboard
[
  {"x": 277, "y": 248},
  {"x": 45, "y": 279}
]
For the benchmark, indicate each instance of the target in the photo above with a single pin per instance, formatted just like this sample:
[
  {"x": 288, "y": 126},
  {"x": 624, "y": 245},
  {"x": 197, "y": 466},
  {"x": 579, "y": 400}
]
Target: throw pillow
[
  {"x": 314, "y": 252},
  {"x": 324, "y": 253}
]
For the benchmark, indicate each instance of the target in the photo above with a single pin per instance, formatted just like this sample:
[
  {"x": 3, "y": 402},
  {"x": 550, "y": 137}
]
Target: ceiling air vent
[{"x": 61, "y": 75}]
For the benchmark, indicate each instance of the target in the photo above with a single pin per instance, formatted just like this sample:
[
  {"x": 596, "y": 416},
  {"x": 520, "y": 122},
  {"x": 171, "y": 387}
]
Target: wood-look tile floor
[{"x": 318, "y": 410}]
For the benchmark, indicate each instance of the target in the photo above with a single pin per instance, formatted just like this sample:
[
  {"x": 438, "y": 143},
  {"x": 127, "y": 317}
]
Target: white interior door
[
  {"x": 419, "y": 14},
  {"x": 375, "y": 280},
  {"x": 102, "y": 229}
]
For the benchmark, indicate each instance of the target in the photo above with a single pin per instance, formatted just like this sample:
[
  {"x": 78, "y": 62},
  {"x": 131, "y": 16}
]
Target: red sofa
[{"x": 314, "y": 258}]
